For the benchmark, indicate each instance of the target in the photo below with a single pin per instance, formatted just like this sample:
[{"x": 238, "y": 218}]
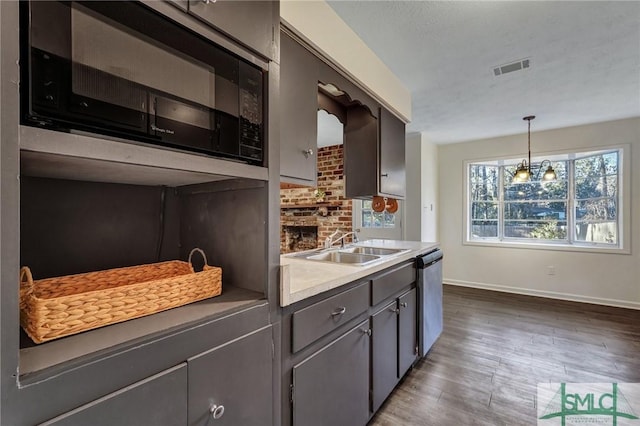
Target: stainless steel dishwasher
[{"x": 429, "y": 267}]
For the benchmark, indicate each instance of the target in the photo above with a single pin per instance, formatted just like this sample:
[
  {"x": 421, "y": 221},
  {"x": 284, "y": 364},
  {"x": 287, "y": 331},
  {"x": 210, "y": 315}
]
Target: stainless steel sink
[
  {"x": 344, "y": 257},
  {"x": 373, "y": 250},
  {"x": 354, "y": 255}
]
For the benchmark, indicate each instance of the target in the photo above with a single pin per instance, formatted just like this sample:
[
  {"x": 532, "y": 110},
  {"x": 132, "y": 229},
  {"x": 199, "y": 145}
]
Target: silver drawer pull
[
  {"x": 339, "y": 311},
  {"x": 216, "y": 411},
  {"x": 404, "y": 304}
]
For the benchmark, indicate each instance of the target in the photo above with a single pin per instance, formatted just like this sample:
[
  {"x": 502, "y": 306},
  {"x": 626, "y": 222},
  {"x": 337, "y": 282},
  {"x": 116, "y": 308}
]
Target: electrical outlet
[{"x": 551, "y": 270}]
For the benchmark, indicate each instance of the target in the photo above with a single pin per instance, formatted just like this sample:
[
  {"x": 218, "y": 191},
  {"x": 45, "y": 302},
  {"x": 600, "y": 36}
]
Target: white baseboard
[{"x": 548, "y": 294}]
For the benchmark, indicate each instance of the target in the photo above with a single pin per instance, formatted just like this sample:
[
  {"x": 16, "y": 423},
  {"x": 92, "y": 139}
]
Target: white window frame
[
  {"x": 623, "y": 211},
  {"x": 385, "y": 233}
]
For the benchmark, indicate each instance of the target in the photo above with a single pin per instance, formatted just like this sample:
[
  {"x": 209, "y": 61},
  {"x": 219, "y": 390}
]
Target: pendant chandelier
[{"x": 523, "y": 169}]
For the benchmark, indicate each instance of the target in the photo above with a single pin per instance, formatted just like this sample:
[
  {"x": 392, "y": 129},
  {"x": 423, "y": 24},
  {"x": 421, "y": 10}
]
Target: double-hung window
[{"x": 580, "y": 208}]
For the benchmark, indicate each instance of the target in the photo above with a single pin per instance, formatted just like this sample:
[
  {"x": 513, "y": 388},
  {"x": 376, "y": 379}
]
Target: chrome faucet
[
  {"x": 341, "y": 239},
  {"x": 328, "y": 242}
]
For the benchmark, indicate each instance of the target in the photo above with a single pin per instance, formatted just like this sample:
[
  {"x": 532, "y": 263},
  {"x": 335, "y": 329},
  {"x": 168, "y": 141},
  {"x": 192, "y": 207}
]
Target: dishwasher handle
[{"x": 429, "y": 259}]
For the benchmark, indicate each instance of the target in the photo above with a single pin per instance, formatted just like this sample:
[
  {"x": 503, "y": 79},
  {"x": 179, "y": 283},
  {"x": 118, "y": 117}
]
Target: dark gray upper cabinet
[
  {"x": 253, "y": 23},
  {"x": 407, "y": 332},
  {"x": 159, "y": 400},
  {"x": 298, "y": 112},
  {"x": 392, "y": 180},
  {"x": 353, "y": 94},
  {"x": 374, "y": 154},
  {"x": 231, "y": 384},
  {"x": 331, "y": 387},
  {"x": 360, "y": 153}
]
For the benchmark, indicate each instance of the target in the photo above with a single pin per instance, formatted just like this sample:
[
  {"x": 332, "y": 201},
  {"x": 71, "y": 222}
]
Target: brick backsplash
[{"x": 331, "y": 181}]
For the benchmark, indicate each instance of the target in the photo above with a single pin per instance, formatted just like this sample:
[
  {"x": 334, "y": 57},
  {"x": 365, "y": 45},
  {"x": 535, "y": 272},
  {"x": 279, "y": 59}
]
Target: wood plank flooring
[{"x": 495, "y": 349}]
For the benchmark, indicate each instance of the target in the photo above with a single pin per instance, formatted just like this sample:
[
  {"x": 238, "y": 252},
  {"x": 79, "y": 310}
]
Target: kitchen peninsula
[
  {"x": 349, "y": 331},
  {"x": 301, "y": 278}
]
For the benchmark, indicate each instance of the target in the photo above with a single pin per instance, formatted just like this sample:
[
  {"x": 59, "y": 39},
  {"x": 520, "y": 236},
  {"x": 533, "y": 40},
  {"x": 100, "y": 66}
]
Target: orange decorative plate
[
  {"x": 392, "y": 205},
  {"x": 377, "y": 204}
]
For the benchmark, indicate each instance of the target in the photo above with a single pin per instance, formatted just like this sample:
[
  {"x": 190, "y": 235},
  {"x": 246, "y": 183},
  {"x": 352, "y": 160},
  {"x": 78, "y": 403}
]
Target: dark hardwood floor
[{"x": 495, "y": 349}]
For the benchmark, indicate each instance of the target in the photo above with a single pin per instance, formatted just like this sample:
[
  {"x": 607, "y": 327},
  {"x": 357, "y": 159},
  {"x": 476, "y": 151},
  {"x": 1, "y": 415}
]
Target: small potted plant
[{"x": 319, "y": 194}]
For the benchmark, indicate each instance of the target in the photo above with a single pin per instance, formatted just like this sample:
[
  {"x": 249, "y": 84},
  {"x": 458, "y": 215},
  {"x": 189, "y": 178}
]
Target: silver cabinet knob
[
  {"x": 366, "y": 331},
  {"x": 208, "y": 1},
  {"x": 404, "y": 304},
  {"x": 339, "y": 311},
  {"x": 307, "y": 152},
  {"x": 216, "y": 411},
  {"x": 394, "y": 310}
]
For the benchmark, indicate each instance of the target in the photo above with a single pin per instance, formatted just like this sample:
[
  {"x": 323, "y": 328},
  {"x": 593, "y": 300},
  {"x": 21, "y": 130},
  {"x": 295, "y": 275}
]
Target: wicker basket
[{"x": 61, "y": 306}]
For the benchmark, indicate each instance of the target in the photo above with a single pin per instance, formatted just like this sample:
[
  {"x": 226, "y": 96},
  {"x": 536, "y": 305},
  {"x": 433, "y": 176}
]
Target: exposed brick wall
[{"x": 331, "y": 181}]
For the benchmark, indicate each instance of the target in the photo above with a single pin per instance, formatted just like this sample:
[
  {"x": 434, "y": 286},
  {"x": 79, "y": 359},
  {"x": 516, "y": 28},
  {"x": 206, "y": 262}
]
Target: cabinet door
[
  {"x": 360, "y": 153},
  {"x": 159, "y": 400},
  {"x": 407, "y": 336},
  {"x": 298, "y": 111},
  {"x": 254, "y": 23},
  {"x": 392, "y": 161},
  {"x": 331, "y": 387},
  {"x": 384, "y": 354},
  {"x": 237, "y": 377}
]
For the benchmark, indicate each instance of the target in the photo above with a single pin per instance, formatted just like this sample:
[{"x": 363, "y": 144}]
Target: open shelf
[
  {"x": 52, "y": 154},
  {"x": 311, "y": 205},
  {"x": 111, "y": 338}
]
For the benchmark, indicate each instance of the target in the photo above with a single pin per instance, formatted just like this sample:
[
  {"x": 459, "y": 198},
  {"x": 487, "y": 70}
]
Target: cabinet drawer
[
  {"x": 323, "y": 317},
  {"x": 158, "y": 400},
  {"x": 392, "y": 282}
]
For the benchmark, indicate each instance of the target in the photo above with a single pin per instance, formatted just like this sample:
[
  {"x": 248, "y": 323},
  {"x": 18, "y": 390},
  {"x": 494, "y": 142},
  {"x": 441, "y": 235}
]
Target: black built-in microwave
[{"x": 121, "y": 69}]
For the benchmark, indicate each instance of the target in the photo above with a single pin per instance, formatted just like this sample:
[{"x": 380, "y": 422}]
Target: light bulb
[{"x": 549, "y": 175}]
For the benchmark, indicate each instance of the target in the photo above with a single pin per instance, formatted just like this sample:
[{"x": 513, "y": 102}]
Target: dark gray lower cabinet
[
  {"x": 323, "y": 317},
  {"x": 384, "y": 354},
  {"x": 394, "y": 345},
  {"x": 407, "y": 332},
  {"x": 160, "y": 400},
  {"x": 331, "y": 387},
  {"x": 231, "y": 384}
]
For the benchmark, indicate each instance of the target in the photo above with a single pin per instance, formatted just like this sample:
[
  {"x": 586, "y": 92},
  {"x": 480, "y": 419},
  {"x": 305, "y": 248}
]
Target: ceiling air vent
[{"x": 511, "y": 67}]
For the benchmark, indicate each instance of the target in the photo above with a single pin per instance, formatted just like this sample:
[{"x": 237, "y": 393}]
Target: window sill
[{"x": 551, "y": 247}]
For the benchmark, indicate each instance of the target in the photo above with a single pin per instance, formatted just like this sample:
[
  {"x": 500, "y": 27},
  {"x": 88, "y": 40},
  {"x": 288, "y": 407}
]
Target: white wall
[
  {"x": 421, "y": 219},
  {"x": 321, "y": 26},
  {"x": 606, "y": 278}
]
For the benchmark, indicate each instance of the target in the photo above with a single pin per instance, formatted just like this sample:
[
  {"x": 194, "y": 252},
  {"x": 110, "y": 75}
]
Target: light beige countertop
[{"x": 301, "y": 278}]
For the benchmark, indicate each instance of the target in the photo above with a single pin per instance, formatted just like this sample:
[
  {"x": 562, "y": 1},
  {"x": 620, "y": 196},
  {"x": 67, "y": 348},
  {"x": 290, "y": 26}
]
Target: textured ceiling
[{"x": 585, "y": 62}]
